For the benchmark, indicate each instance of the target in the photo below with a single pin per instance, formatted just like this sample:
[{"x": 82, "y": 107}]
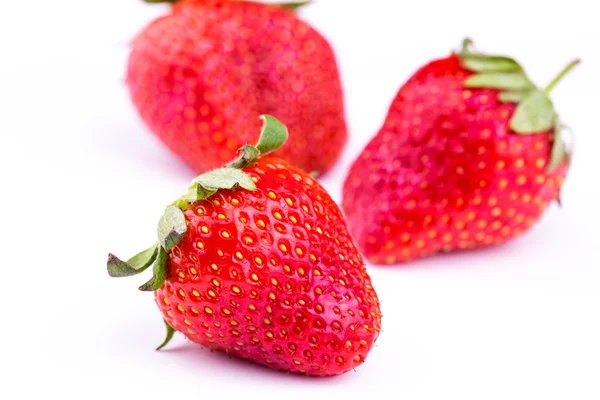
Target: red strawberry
[
  {"x": 202, "y": 75},
  {"x": 260, "y": 264},
  {"x": 470, "y": 155}
]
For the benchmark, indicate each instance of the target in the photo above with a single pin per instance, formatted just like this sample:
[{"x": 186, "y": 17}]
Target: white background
[{"x": 81, "y": 177}]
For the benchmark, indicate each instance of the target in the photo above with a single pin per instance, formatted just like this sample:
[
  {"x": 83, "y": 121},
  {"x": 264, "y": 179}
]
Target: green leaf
[
  {"x": 159, "y": 272},
  {"x": 485, "y": 63},
  {"x": 135, "y": 265},
  {"x": 171, "y": 227},
  {"x": 223, "y": 178},
  {"x": 170, "y": 333},
  {"x": 273, "y": 135},
  {"x": 294, "y": 5},
  {"x": 534, "y": 114},
  {"x": 558, "y": 152},
  {"x": 499, "y": 80},
  {"x": 511, "y": 97},
  {"x": 203, "y": 193}
]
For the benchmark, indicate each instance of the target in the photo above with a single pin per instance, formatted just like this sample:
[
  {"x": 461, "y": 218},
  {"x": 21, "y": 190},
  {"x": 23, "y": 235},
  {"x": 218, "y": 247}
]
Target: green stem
[
  {"x": 466, "y": 46},
  {"x": 561, "y": 75}
]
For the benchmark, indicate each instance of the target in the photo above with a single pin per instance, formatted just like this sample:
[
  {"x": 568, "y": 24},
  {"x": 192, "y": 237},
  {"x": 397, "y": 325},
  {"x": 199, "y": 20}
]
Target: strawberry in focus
[
  {"x": 470, "y": 155},
  {"x": 256, "y": 260},
  {"x": 202, "y": 75}
]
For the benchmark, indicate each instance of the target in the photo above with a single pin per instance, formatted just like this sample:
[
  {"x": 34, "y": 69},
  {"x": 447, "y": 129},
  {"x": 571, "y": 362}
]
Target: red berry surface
[
  {"x": 273, "y": 276},
  {"x": 202, "y": 75},
  {"x": 446, "y": 171}
]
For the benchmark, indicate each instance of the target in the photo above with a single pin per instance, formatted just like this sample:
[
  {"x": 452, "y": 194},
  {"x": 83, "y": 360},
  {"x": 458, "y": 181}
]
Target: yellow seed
[
  {"x": 521, "y": 180},
  {"x": 200, "y": 245},
  {"x": 258, "y": 260},
  {"x": 167, "y": 302},
  {"x": 235, "y": 202},
  {"x": 221, "y": 217},
  {"x": 289, "y": 201},
  {"x": 226, "y": 234},
  {"x": 272, "y": 296},
  {"x": 299, "y": 251},
  {"x": 195, "y": 292},
  {"x": 220, "y": 253},
  {"x": 307, "y": 226},
  {"x": 277, "y": 215},
  {"x": 193, "y": 271},
  {"x": 496, "y": 212},
  {"x": 312, "y": 257},
  {"x": 305, "y": 208},
  {"x": 260, "y": 223},
  {"x": 204, "y": 229},
  {"x": 187, "y": 322},
  {"x": 272, "y": 195},
  {"x": 226, "y": 311},
  {"x": 212, "y": 293},
  {"x": 182, "y": 275},
  {"x": 216, "y": 282},
  {"x": 316, "y": 272},
  {"x": 181, "y": 292},
  {"x": 293, "y": 219},
  {"x": 236, "y": 289},
  {"x": 238, "y": 255},
  {"x": 300, "y": 271},
  {"x": 319, "y": 231},
  {"x": 214, "y": 267},
  {"x": 283, "y": 248},
  {"x": 180, "y": 307},
  {"x": 254, "y": 277}
]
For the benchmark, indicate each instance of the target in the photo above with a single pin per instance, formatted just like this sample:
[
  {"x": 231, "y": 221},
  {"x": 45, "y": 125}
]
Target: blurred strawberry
[
  {"x": 470, "y": 155},
  {"x": 202, "y": 75}
]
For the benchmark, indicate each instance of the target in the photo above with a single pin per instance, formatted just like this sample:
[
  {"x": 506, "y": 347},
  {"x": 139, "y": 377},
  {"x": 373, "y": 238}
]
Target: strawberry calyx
[
  {"x": 535, "y": 112},
  {"x": 172, "y": 226}
]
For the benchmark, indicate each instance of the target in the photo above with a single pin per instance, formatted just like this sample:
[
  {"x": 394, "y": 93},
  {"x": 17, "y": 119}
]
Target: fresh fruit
[
  {"x": 256, "y": 260},
  {"x": 201, "y": 76},
  {"x": 470, "y": 155}
]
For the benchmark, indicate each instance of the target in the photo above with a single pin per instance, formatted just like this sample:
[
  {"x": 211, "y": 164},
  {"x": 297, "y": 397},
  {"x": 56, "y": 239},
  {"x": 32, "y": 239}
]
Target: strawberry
[
  {"x": 470, "y": 155},
  {"x": 201, "y": 76},
  {"x": 256, "y": 261}
]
